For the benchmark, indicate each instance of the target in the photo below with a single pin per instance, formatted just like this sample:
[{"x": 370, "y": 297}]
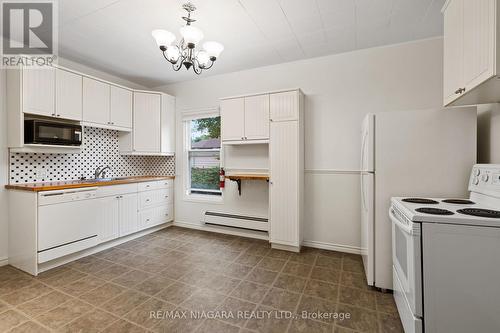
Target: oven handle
[{"x": 407, "y": 229}]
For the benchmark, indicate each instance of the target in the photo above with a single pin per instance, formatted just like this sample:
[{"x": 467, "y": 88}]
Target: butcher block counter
[{"x": 69, "y": 184}]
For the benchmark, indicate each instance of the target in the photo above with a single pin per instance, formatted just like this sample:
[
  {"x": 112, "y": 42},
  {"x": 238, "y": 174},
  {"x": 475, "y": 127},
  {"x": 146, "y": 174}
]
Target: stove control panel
[{"x": 485, "y": 179}]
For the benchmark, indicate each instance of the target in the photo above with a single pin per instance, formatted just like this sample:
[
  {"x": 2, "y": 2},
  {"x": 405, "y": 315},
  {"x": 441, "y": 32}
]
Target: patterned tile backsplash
[{"x": 100, "y": 148}]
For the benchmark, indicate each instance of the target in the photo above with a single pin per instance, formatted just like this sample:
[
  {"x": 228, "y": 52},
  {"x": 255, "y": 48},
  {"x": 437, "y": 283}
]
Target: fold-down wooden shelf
[{"x": 246, "y": 176}]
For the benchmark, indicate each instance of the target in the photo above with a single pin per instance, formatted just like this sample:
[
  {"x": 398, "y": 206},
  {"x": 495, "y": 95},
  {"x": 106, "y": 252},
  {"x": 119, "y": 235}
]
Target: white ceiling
[{"x": 115, "y": 35}]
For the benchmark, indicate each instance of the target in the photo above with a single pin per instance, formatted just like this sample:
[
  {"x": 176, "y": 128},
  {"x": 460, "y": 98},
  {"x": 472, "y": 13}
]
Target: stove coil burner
[
  {"x": 434, "y": 211},
  {"x": 421, "y": 201},
  {"x": 459, "y": 201},
  {"x": 480, "y": 212}
]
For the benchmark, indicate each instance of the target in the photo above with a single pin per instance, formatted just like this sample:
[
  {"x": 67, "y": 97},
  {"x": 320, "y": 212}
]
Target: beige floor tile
[
  {"x": 385, "y": 303},
  {"x": 132, "y": 278},
  {"x": 306, "y": 256},
  {"x": 390, "y": 323},
  {"x": 281, "y": 299},
  {"x": 3, "y": 306},
  {"x": 102, "y": 294},
  {"x": 112, "y": 271},
  {"x": 43, "y": 304},
  {"x": 178, "y": 325},
  {"x": 149, "y": 314},
  {"x": 123, "y": 326},
  {"x": 29, "y": 327},
  {"x": 64, "y": 314},
  {"x": 63, "y": 278},
  {"x": 154, "y": 285},
  {"x": 248, "y": 259},
  {"x": 326, "y": 274},
  {"x": 329, "y": 262},
  {"x": 358, "y": 297},
  {"x": 262, "y": 276},
  {"x": 322, "y": 289},
  {"x": 23, "y": 295},
  {"x": 250, "y": 291},
  {"x": 309, "y": 326},
  {"x": 203, "y": 300},
  {"x": 272, "y": 322},
  {"x": 213, "y": 325},
  {"x": 176, "y": 270},
  {"x": 271, "y": 264},
  {"x": 295, "y": 268},
  {"x": 354, "y": 280},
  {"x": 235, "y": 310},
  {"x": 312, "y": 305},
  {"x": 10, "y": 319},
  {"x": 222, "y": 284},
  {"x": 361, "y": 320},
  {"x": 278, "y": 254},
  {"x": 236, "y": 270},
  {"x": 352, "y": 265},
  {"x": 290, "y": 282},
  {"x": 11, "y": 285},
  {"x": 82, "y": 286},
  {"x": 94, "y": 321},
  {"x": 125, "y": 302},
  {"x": 177, "y": 293}
]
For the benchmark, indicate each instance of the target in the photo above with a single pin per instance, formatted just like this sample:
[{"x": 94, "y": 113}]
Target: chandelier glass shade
[{"x": 184, "y": 52}]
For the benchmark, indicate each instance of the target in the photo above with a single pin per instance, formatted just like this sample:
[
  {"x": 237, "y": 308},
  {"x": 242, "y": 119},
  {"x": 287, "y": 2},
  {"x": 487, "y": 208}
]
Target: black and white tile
[{"x": 100, "y": 149}]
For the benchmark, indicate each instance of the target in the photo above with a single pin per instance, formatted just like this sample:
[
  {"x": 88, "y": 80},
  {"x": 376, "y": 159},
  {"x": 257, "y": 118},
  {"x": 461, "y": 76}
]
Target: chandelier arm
[
  {"x": 196, "y": 66},
  {"x": 211, "y": 65}
]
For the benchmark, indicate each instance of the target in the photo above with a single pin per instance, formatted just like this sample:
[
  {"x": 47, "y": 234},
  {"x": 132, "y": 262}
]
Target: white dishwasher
[{"x": 67, "y": 222}]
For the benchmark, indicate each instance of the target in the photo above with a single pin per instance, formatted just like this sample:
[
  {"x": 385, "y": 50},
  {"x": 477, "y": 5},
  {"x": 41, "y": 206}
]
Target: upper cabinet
[
  {"x": 120, "y": 107},
  {"x": 471, "y": 53},
  {"x": 38, "y": 91},
  {"x": 285, "y": 106},
  {"x": 68, "y": 95},
  {"x": 245, "y": 119},
  {"x": 106, "y": 105},
  {"x": 153, "y": 130}
]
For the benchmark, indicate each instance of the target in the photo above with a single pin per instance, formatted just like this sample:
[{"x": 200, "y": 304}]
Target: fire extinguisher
[{"x": 222, "y": 178}]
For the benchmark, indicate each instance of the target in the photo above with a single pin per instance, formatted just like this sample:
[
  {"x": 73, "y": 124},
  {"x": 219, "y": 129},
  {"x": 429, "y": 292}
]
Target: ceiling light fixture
[{"x": 184, "y": 52}]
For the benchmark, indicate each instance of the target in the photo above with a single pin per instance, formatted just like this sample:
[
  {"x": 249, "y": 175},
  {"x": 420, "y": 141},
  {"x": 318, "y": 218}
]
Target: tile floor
[{"x": 117, "y": 290}]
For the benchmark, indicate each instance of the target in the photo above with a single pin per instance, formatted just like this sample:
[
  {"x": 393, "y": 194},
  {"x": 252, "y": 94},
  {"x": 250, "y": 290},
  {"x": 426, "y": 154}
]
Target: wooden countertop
[
  {"x": 248, "y": 176},
  {"x": 63, "y": 185}
]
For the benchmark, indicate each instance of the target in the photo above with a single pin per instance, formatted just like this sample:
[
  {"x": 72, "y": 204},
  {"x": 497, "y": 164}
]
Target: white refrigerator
[{"x": 412, "y": 154}]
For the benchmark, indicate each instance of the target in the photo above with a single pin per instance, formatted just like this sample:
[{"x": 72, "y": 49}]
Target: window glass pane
[
  {"x": 204, "y": 168},
  {"x": 205, "y": 133}
]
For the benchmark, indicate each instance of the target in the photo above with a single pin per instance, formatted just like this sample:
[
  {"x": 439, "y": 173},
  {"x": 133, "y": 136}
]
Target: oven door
[{"x": 406, "y": 259}]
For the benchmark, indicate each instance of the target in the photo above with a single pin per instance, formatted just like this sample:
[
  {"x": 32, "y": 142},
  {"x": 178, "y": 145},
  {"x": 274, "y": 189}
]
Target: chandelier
[{"x": 184, "y": 53}]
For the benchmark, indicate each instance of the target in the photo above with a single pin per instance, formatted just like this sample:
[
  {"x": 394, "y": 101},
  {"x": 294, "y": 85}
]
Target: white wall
[
  {"x": 340, "y": 90},
  {"x": 4, "y": 166},
  {"x": 488, "y": 141}
]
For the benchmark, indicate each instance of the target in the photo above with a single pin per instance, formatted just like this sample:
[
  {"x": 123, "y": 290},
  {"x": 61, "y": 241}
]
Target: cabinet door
[
  {"x": 232, "y": 113},
  {"x": 68, "y": 95},
  {"x": 129, "y": 218},
  {"x": 284, "y": 106},
  {"x": 167, "y": 124},
  {"x": 284, "y": 183},
  {"x": 121, "y": 107},
  {"x": 453, "y": 50},
  {"x": 257, "y": 117},
  {"x": 479, "y": 41},
  {"x": 39, "y": 91},
  {"x": 147, "y": 122},
  {"x": 96, "y": 96},
  {"x": 109, "y": 219}
]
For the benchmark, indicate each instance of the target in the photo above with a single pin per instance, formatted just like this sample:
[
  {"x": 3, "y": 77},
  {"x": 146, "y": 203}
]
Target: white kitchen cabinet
[
  {"x": 245, "y": 119},
  {"x": 120, "y": 107},
  {"x": 284, "y": 106},
  {"x": 68, "y": 95},
  {"x": 96, "y": 102},
  {"x": 471, "y": 52},
  {"x": 129, "y": 222},
  {"x": 286, "y": 185},
  {"x": 109, "y": 222},
  {"x": 38, "y": 91},
  {"x": 257, "y": 117},
  {"x": 147, "y": 115},
  {"x": 232, "y": 112},
  {"x": 153, "y": 126}
]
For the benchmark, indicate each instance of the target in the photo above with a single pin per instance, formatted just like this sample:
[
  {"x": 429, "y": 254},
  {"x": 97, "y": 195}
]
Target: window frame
[{"x": 191, "y": 194}]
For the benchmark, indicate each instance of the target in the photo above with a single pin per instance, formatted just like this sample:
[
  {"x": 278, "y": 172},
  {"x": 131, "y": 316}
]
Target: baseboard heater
[{"x": 236, "y": 221}]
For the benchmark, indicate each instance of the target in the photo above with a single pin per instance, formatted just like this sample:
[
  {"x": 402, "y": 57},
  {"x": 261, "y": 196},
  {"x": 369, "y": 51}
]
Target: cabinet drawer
[
  {"x": 155, "y": 185},
  {"x": 112, "y": 190},
  {"x": 154, "y": 198},
  {"x": 155, "y": 216}
]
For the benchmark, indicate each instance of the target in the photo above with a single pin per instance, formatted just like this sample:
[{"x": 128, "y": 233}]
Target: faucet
[{"x": 100, "y": 172}]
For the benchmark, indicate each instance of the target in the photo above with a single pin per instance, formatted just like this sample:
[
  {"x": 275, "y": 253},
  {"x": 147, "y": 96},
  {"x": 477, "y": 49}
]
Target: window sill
[{"x": 200, "y": 198}]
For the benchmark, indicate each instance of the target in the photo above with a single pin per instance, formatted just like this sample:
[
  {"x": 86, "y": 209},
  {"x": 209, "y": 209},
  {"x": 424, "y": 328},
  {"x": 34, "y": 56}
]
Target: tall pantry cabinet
[{"x": 286, "y": 169}]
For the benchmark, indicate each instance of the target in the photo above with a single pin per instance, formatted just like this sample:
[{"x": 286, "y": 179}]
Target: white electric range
[{"x": 445, "y": 258}]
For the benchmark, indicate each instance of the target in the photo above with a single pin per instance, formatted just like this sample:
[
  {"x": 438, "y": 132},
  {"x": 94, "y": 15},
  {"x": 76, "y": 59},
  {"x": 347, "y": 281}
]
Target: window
[{"x": 203, "y": 154}]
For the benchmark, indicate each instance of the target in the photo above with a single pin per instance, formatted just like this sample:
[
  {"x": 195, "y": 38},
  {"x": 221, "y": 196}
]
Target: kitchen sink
[{"x": 98, "y": 180}]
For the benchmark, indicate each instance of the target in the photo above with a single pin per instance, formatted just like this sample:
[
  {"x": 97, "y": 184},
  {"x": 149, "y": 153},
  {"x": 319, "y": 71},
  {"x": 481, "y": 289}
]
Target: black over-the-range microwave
[{"x": 52, "y": 133}]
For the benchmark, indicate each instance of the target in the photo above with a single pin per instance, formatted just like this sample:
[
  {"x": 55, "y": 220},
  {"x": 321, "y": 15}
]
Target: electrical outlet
[{"x": 41, "y": 174}]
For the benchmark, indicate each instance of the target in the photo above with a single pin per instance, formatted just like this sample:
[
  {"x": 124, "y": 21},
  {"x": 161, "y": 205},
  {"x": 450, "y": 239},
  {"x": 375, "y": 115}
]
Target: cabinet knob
[{"x": 460, "y": 91}]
